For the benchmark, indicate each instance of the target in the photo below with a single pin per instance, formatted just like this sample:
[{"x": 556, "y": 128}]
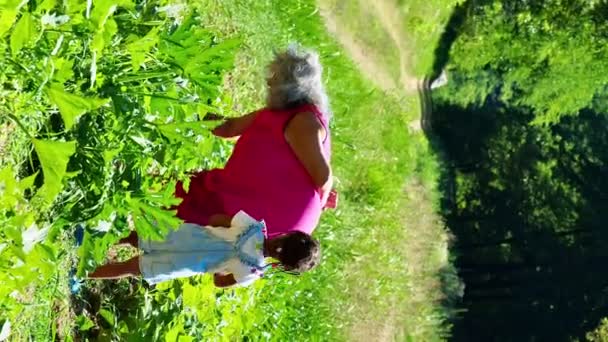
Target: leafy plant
[{"x": 106, "y": 94}]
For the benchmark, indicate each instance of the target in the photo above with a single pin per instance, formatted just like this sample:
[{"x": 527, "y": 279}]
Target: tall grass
[{"x": 363, "y": 284}]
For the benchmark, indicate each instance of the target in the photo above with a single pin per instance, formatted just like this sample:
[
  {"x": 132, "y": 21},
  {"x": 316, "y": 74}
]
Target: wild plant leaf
[
  {"x": 184, "y": 130},
  {"x": 164, "y": 197},
  {"x": 139, "y": 48},
  {"x": 104, "y": 35},
  {"x": 9, "y": 189},
  {"x": 18, "y": 251},
  {"x": 173, "y": 334},
  {"x": 46, "y": 6},
  {"x": 152, "y": 221},
  {"x": 101, "y": 16},
  {"x": 54, "y": 157},
  {"x": 185, "y": 338},
  {"x": 105, "y": 8},
  {"x": 7, "y": 18},
  {"x": 183, "y": 31},
  {"x": 215, "y": 54},
  {"x": 72, "y": 106},
  {"x": 23, "y": 34},
  {"x": 63, "y": 69},
  {"x": 93, "y": 250},
  {"x": 109, "y": 155},
  {"x": 108, "y": 316},
  {"x": 205, "y": 146},
  {"x": 28, "y": 182},
  {"x": 47, "y": 252},
  {"x": 85, "y": 254},
  {"x": 84, "y": 323},
  {"x": 162, "y": 107},
  {"x": 142, "y": 141},
  {"x": 123, "y": 328}
]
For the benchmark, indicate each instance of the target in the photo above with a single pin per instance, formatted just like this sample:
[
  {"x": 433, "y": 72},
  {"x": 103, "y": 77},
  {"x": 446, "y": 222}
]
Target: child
[{"x": 233, "y": 249}]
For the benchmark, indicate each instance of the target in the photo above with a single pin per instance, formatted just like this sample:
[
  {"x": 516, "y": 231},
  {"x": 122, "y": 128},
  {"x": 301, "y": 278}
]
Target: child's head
[
  {"x": 294, "y": 78},
  {"x": 297, "y": 251}
]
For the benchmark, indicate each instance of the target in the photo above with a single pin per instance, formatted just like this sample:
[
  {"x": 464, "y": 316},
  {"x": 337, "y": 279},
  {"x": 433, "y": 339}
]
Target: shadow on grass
[{"x": 527, "y": 206}]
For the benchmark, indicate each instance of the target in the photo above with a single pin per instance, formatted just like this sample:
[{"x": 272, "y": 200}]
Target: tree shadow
[
  {"x": 452, "y": 30},
  {"x": 527, "y": 206}
]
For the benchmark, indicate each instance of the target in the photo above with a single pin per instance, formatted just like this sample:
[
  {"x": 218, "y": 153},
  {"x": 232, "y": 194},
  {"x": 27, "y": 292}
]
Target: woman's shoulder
[
  {"x": 309, "y": 108},
  {"x": 314, "y": 114},
  {"x": 291, "y": 111}
]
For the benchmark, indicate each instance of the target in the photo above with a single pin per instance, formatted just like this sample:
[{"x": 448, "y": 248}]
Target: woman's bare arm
[
  {"x": 305, "y": 135},
  {"x": 233, "y": 127}
]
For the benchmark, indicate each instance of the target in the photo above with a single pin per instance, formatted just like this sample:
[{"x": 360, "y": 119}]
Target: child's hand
[{"x": 332, "y": 200}]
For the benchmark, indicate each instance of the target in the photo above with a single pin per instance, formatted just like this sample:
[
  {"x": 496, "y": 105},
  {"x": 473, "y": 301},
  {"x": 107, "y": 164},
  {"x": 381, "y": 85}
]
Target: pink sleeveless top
[{"x": 265, "y": 179}]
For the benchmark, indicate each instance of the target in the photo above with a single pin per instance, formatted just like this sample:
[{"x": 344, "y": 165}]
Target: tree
[{"x": 550, "y": 56}]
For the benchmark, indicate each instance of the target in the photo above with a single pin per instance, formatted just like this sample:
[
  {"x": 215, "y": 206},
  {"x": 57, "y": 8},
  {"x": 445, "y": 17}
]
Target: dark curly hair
[{"x": 300, "y": 252}]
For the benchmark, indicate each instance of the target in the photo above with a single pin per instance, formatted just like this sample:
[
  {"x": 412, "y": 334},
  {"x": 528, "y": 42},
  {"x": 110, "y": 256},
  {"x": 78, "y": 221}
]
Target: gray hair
[{"x": 294, "y": 78}]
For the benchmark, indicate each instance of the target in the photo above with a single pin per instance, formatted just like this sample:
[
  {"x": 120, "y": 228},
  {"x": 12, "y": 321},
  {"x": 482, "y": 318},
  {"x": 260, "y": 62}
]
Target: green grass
[
  {"x": 362, "y": 29},
  {"x": 46, "y": 307},
  {"x": 399, "y": 37},
  {"x": 424, "y": 24},
  {"x": 379, "y": 276},
  {"x": 364, "y": 270}
]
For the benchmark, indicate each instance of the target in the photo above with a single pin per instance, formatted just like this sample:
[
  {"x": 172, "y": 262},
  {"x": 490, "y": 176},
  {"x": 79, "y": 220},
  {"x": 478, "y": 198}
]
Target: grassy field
[
  {"x": 386, "y": 248},
  {"x": 392, "y": 41},
  {"x": 385, "y": 252}
]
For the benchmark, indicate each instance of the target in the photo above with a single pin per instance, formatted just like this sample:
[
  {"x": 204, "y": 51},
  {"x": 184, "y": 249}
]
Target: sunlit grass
[{"x": 364, "y": 276}]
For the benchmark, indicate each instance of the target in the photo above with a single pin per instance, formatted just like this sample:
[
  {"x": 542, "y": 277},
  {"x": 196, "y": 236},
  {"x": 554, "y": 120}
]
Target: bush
[{"x": 105, "y": 95}]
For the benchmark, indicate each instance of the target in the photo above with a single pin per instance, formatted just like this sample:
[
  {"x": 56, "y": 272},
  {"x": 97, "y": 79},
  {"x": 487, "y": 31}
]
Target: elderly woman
[{"x": 280, "y": 169}]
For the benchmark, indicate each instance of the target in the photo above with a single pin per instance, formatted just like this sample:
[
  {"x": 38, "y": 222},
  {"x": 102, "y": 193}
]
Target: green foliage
[
  {"x": 600, "y": 334},
  {"x": 71, "y": 106},
  {"x": 373, "y": 155},
  {"x": 112, "y": 99},
  {"x": 105, "y": 95},
  {"x": 550, "y": 57},
  {"x": 524, "y": 190},
  {"x": 84, "y": 323},
  {"x": 23, "y": 33},
  {"x": 8, "y": 15},
  {"x": 54, "y": 157}
]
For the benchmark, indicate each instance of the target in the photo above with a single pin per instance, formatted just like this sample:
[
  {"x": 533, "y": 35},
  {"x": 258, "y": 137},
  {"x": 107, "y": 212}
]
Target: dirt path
[
  {"x": 358, "y": 52},
  {"x": 425, "y": 240},
  {"x": 387, "y": 13},
  {"x": 424, "y": 247}
]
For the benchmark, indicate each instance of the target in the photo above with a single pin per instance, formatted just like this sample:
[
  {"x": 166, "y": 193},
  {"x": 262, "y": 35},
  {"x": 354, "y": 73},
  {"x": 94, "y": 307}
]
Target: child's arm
[
  {"x": 223, "y": 280},
  {"x": 234, "y": 127}
]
